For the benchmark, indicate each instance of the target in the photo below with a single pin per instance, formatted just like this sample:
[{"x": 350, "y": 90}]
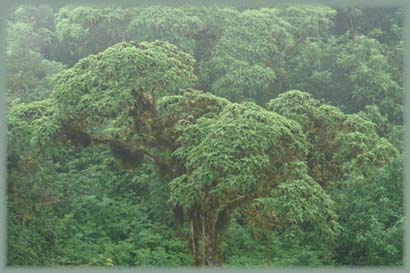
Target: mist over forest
[{"x": 204, "y": 136}]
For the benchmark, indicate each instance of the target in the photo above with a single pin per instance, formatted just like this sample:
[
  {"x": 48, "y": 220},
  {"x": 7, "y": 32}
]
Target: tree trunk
[
  {"x": 206, "y": 237},
  {"x": 212, "y": 253},
  {"x": 193, "y": 240}
]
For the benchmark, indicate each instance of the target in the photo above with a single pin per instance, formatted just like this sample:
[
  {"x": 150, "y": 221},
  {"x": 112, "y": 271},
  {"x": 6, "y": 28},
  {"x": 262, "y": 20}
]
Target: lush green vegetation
[{"x": 209, "y": 136}]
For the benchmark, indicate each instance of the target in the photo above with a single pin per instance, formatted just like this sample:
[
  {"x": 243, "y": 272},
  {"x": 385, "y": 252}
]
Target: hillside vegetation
[{"x": 205, "y": 136}]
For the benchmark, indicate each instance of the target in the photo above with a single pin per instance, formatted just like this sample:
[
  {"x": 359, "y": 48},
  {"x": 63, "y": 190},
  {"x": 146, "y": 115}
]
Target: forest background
[{"x": 107, "y": 152}]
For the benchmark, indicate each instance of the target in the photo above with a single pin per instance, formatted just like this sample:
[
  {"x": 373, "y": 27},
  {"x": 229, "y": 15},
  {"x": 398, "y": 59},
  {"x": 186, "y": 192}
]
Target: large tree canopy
[
  {"x": 110, "y": 97},
  {"x": 242, "y": 155}
]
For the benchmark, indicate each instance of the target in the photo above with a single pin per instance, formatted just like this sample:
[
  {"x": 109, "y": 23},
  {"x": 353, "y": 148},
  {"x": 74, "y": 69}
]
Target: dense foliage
[{"x": 211, "y": 136}]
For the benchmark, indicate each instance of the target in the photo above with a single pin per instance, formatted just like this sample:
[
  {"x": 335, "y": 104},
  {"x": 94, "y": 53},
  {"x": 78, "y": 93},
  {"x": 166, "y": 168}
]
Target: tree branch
[{"x": 237, "y": 201}]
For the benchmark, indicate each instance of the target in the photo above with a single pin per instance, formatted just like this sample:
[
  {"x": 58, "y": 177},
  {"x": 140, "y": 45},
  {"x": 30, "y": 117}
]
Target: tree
[
  {"x": 28, "y": 72},
  {"x": 261, "y": 42},
  {"x": 371, "y": 214},
  {"x": 245, "y": 155},
  {"x": 111, "y": 95},
  {"x": 349, "y": 73},
  {"x": 336, "y": 140},
  {"x": 84, "y": 30},
  {"x": 360, "y": 169},
  {"x": 166, "y": 24}
]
